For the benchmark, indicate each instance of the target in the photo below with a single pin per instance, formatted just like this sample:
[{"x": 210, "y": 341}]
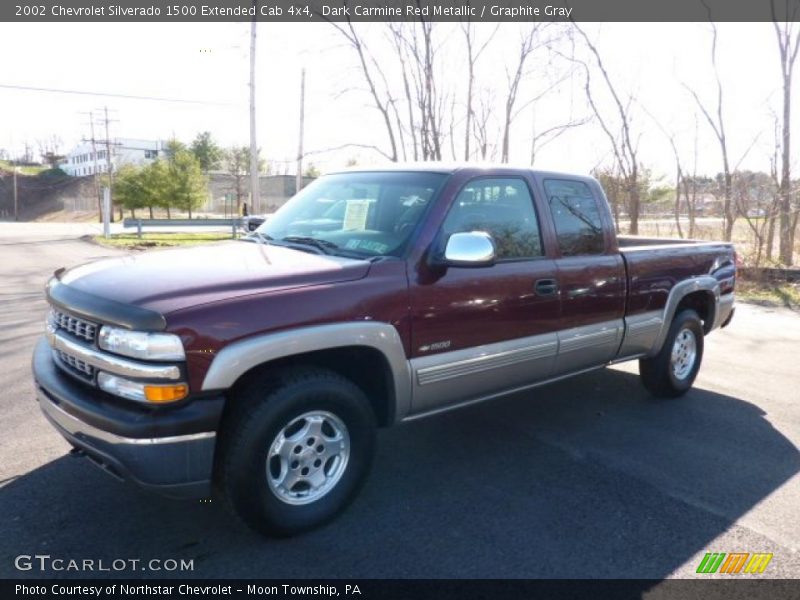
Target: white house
[{"x": 82, "y": 160}]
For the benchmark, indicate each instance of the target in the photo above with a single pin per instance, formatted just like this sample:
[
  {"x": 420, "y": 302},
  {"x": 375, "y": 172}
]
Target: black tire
[
  {"x": 657, "y": 373},
  {"x": 268, "y": 406}
]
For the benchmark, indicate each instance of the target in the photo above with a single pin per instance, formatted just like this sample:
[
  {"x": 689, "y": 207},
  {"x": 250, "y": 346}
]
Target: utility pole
[
  {"x": 94, "y": 155},
  {"x": 11, "y": 153},
  {"x": 255, "y": 198},
  {"x": 299, "y": 176},
  {"x": 110, "y": 167},
  {"x": 16, "y": 205}
]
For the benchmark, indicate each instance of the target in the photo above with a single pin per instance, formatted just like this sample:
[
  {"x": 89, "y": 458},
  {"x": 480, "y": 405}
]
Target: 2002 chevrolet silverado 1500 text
[{"x": 263, "y": 366}]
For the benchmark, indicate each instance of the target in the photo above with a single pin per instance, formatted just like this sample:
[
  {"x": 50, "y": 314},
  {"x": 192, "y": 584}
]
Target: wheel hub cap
[
  {"x": 684, "y": 354},
  {"x": 308, "y": 457}
]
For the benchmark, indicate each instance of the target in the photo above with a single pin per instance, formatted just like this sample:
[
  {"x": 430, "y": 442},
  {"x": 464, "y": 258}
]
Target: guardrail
[
  {"x": 770, "y": 274},
  {"x": 140, "y": 224}
]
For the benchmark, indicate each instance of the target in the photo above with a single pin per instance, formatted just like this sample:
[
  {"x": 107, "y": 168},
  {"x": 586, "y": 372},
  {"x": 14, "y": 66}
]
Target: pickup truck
[{"x": 259, "y": 369}]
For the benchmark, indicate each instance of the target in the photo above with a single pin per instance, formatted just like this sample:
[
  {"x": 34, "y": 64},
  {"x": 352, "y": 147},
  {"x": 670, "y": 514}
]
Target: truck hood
[{"x": 169, "y": 280}]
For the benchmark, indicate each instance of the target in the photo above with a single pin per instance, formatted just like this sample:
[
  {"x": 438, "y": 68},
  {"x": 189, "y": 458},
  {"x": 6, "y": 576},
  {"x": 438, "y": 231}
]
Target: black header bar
[
  {"x": 376, "y": 589},
  {"x": 397, "y": 10}
]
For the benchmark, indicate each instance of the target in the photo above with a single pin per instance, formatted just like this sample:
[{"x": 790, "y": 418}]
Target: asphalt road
[{"x": 585, "y": 478}]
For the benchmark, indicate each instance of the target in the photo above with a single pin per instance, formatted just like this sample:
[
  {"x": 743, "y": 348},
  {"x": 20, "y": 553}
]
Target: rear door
[
  {"x": 477, "y": 331},
  {"x": 591, "y": 274}
]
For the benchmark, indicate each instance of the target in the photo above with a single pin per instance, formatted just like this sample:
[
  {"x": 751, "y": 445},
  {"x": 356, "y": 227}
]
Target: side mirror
[{"x": 469, "y": 249}]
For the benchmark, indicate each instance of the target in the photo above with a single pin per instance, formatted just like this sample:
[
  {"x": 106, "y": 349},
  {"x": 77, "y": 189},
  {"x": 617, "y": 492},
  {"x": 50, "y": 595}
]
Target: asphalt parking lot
[{"x": 586, "y": 478}]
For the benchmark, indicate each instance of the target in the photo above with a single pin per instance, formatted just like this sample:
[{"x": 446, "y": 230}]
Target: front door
[{"x": 479, "y": 331}]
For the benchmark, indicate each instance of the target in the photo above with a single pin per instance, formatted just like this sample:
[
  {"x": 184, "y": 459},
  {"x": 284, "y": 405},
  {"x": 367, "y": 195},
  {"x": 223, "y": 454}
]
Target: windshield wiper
[
  {"x": 323, "y": 245},
  {"x": 257, "y": 236}
]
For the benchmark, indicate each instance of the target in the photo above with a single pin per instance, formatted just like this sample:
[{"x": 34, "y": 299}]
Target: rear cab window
[{"x": 576, "y": 215}]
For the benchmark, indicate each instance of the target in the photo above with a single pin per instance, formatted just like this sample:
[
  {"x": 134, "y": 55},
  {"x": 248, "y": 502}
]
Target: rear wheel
[
  {"x": 298, "y": 453},
  {"x": 672, "y": 371}
]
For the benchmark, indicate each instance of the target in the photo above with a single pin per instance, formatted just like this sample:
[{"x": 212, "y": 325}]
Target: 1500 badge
[{"x": 435, "y": 346}]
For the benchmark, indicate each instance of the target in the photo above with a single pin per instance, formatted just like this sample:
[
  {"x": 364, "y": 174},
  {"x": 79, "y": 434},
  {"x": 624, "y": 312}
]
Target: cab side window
[
  {"x": 502, "y": 207},
  {"x": 579, "y": 228}
]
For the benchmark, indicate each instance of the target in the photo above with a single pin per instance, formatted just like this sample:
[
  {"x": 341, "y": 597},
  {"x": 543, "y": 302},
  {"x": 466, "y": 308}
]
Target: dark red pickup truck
[{"x": 263, "y": 366}]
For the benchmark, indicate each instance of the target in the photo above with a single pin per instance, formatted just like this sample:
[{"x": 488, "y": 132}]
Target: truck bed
[{"x": 655, "y": 265}]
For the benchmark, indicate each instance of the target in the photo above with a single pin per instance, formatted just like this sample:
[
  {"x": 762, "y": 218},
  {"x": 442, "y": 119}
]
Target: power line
[{"x": 110, "y": 95}]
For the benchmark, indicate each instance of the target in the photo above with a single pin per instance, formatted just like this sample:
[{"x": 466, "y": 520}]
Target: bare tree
[
  {"x": 481, "y": 126},
  {"x": 788, "y": 44},
  {"x": 236, "y": 162},
  {"x": 717, "y": 124},
  {"x": 678, "y": 181},
  {"x": 528, "y": 43},
  {"x": 370, "y": 70},
  {"x": 50, "y": 150},
  {"x": 613, "y": 185},
  {"x": 755, "y": 194},
  {"x": 431, "y": 99},
  {"x": 679, "y": 172},
  {"x": 773, "y": 214},
  {"x": 539, "y": 139},
  {"x": 428, "y": 102},
  {"x": 396, "y": 31},
  {"x": 473, "y": 54},
  {"x": 691, "y": 185},
  {"x": 420, "y": 107},
  {"x": 452, "y": 135},
  {"x": 27, "y": 156},
  {"x": 623, "y": 145}
]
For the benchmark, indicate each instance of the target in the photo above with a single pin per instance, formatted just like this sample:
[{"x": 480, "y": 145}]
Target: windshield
[{"x": 371, "y": 214}]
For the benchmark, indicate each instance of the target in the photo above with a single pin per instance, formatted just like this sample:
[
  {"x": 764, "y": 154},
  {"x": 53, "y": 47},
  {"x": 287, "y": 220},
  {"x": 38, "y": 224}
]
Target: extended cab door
[
  {"x": 479, "y": 331},
  {"x": 591, "y": 273}
]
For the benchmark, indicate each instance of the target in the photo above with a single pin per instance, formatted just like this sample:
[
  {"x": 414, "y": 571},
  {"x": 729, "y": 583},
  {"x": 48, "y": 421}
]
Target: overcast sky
[{"x": 209, "y": 62}]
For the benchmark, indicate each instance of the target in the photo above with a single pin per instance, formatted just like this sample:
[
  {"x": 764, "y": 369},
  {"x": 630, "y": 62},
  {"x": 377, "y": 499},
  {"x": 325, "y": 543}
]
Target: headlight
[
  {"x": 141, "y": 392},
  {"x": 139, "y": 344}
]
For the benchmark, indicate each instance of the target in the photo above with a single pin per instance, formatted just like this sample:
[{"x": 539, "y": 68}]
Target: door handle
[{"x": 546, "y": 287}]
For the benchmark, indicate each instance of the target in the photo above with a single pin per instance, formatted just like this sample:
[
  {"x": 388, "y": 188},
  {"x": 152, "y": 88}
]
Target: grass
[
  {"x": 769, "y": 293},
  {"x": 130, "y": 241},
  {"x": 7, "y": 166}
]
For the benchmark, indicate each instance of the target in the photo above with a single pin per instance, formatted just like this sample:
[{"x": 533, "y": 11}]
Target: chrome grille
[
  {"x": 76, "y": 365},
  {"x": 73, "y": 325}
]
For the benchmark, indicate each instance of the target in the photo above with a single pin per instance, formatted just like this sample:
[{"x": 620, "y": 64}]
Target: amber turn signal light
[{"x": 165, "y": 393}]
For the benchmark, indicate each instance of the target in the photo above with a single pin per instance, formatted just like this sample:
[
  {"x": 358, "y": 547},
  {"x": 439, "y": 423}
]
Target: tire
[
  {"x": 671, "y": 374},
  {"x": 281, "y": 486}
]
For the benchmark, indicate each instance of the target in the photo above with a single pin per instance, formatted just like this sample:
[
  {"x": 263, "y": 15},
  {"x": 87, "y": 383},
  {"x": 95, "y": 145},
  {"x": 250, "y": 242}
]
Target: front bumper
[{"x": 169, "y": 451}]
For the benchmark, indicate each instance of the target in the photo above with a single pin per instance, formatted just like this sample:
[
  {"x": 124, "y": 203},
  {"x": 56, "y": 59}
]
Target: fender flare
[
  {"x": 679, "y": 291},
  {"x": 235, "y": 359}
]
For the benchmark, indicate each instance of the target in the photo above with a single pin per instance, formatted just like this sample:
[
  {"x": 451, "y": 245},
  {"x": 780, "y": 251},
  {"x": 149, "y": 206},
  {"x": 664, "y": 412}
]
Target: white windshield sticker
[{"x": 355, "y": 215}]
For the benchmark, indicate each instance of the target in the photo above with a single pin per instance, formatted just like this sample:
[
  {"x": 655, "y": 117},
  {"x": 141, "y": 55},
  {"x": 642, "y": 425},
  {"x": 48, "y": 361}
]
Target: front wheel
[
  {"x": 672, "y": 371},
  {"x": 297, "y": 455}
]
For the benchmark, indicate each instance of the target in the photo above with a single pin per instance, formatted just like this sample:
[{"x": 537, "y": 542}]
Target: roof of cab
[{"x": 450, "y": 168}]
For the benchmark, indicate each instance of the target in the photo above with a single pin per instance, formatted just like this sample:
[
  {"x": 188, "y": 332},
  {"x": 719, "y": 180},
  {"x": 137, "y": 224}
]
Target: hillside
[
  {"x": 41, "y": 191},
  {"x": 50, "y": 194}
]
